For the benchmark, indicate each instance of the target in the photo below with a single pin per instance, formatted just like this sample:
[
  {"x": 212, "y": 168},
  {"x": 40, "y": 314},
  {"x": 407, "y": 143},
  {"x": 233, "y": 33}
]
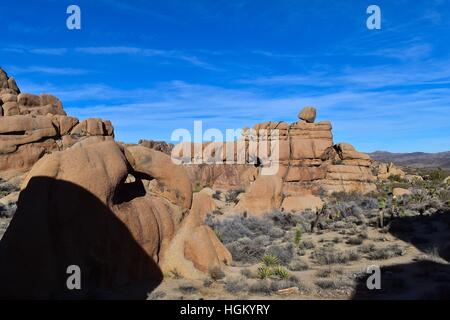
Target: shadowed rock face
[
  {"x": 59, "y": 224},
  {"x": 80, "y": 207}
]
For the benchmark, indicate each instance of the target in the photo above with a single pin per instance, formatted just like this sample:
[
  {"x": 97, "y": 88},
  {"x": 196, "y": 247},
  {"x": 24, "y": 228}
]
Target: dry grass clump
[{"x": 330, "y": 255}]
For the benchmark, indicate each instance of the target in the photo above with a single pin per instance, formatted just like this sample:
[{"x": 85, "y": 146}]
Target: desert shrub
[
  {"x": 281, "y": 273},
  {"x": 345, "y": 196},
  {"x": 385, "y": 253},
  {"x": 261, "y": 226},
  {"x": 396, "y": 250},
  {"x": 334, "y": 284},
  {"x": 197, "y": 187},
  {"x": 187, "y": 288},
  {"x": 231, "y": 196},
  {"x": 287, "y": 221},
  {"x": 307, "y": 245},
  {"x": 329, "y": 255},
  {"x": 207, "y": 283},
  {"x": 378, "y": 254},
  {"x": 246, "y": 251},
  {"x": 284, "y": 252},
  {"x": 156, "y": 295},
  {"x": 444, "y": 196},
  {"x": 338, "y": 270},
  {"x": 276, "y": 233},
  {"x": 369, "y": 203},
  {"x": 437, "y": 175},
  {"x": 8, "y": 210},
  {"x": 216, "y": 273},
  {"x": 363, "y": 235},
  {"x": 270, "y": 260},
  {"x": 298, "y": 236},
  {"x": 174, "y": 274},
  {"x": 228, "y": 230},
  {"x": 337, "y": 240},
  {"x": 326, "y": 284},
  {"x": 216, "y": 195},
  {"x": 247, "y": 273},
  {"x": 264, "y": 272},
  {"x": 351, "y": 207},
  {"x": 395, "y": 178},
  {"x": 248, "y": 237},
  {"x": 282, "y": 284},
  {"x": 355, "y": 241},
  {"x": 7, "y": 188},
  {"x": 298, "y": 265},
  {"x": 366, "y": 248},
  {"x": 236, "y": 285},
  {"x": 325, "y": 273},
  {"x": 261, "y": 287}
]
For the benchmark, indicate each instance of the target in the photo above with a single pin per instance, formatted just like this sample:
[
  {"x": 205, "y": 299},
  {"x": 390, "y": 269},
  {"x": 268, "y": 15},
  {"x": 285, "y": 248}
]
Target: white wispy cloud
[
  {"x": 49, "y": 51},
  {"x": 175, "y": 55},
  {"x": 109, "y": 50},
  {"x": 148, "y": 52},
  {"x": 363, "y": 78},
  {"x": 47, "y": 70},
  {"x": 38, "y": 51}
]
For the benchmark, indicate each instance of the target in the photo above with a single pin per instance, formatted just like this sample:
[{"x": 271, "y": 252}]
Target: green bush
[
  {"x": 264, "y": 272},
  {"x": 270, "y": 260},
  {"x": 281, "y": 273}
]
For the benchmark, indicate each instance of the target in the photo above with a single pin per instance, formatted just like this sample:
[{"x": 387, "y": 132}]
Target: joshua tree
[{"x": 319, "y": 215}]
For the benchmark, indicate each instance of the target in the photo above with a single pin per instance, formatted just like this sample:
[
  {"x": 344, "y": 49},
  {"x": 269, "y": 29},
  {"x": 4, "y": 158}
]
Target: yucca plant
[
  {"x": 281, "y": 272},
  {"x": 270, "y": 260},
  {"x": 298, "y": 237},
  {"x": 264, "y": 272}
]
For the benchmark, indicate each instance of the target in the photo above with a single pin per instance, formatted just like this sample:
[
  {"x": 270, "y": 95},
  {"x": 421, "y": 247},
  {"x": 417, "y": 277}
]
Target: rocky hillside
[{"x": 415, "y": 159}]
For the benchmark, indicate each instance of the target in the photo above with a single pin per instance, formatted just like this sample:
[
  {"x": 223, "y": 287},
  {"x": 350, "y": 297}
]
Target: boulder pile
[
  {"x": 33, "y": 125},
  {"x": 124, "y": 215},
  {"x": 307, "y": 161}
]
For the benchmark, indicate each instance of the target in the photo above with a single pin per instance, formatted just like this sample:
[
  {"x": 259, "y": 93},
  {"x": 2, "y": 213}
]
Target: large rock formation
[
  {"x": 33, "y": 125},
  {"x": 262, "y": 197},
  {"x": 306, "y": 161},
  {"x": 385, "y": 171},
  {"x": 123, "y": 213},
  {"x": 94, "y": 206}
]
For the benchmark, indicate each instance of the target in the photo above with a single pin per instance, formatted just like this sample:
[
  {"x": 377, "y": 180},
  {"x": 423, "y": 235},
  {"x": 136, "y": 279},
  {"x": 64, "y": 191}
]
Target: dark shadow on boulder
[
  {"x": 421, "y": 279},
  {"x": 129, "y": 191},
  {"x": 58, "y": 224}
]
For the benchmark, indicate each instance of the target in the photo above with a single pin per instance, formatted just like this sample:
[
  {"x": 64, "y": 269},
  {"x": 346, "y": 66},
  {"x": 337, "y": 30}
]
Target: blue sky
[{"x": 155, "y": 66}]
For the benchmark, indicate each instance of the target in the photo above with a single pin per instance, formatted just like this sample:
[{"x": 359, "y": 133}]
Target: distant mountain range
[{"x": 415, "y": 159}]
